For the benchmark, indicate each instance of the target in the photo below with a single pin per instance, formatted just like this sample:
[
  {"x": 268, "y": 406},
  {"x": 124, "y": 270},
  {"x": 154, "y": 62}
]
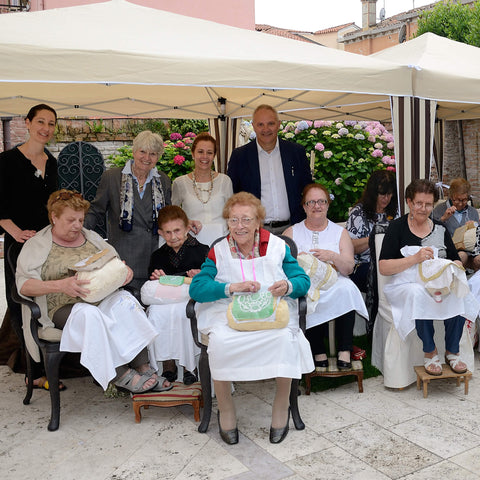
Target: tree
[{"x": 452, "y": 20}]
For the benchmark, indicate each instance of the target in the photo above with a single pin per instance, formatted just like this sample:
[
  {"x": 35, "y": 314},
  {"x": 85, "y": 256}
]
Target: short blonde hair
[
  {"x": 61, "y": 199},
  {"x": 148, "y": 141},
  {"x": 246, "y": 199}
]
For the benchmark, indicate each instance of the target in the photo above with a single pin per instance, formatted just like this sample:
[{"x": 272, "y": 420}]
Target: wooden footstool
[
  {"x": 333, "y": 371},
  {"x": 180, "y": 394},
  {"x": 447, "y": 372}
]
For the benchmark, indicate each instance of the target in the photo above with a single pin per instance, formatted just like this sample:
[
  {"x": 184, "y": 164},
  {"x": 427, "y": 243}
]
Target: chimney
[{"x": 369, "y": 13}]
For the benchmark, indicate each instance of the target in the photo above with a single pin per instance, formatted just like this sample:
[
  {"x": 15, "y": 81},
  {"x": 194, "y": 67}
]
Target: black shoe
[
  {"x": 321, "y": 363},
  {"x": 344, "y": 366},
  {"x": 189, "y": 378},
  {"x": 169, "y": 375},
  {"x": 228, "y": 436},
  {"x": 278, "y": 435}
]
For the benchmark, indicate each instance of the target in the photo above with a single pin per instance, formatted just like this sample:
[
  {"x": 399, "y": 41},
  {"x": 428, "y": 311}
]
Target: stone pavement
[{"x": 379, "y": 434}]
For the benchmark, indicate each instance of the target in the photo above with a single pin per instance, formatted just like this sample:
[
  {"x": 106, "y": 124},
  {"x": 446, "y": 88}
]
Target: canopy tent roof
[
  {"x": 443, "y": 70},
  {"x": 120, "y": 59}
]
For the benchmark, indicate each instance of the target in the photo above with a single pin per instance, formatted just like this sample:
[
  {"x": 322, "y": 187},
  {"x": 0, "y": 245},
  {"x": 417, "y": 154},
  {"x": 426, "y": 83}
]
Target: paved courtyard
[{"x": 379, "y": 434}]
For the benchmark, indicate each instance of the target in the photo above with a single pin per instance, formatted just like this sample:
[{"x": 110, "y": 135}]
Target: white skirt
[
  {"x": 341, "y": 298},
  {"x": 174, "y": 339},
  {"x": 108, "y": 335}
]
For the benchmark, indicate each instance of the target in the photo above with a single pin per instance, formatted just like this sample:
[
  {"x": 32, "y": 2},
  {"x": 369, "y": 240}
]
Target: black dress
[
  {"x": 23, "y": 199},
  {"x": 191, "y": 255}
]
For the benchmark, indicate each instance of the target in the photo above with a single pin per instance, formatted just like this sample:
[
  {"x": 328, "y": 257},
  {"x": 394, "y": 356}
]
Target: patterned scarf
[
  {"x": 126, "y": 202},
  {"x": 235, "y": 251}
]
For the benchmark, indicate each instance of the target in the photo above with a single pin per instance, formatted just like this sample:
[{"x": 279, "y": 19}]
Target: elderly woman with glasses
[
  {"x": 330, "y": 244},
  {"x": 455, "y": 213},
  {"x": 112, "y": 335},
  {"x": 250, "y": 260},
  {"x": 410, "y": 243}
]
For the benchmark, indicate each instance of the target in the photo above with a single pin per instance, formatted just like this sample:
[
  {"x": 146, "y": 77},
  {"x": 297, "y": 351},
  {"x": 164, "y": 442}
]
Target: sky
[{"x": 313, "y": 15}]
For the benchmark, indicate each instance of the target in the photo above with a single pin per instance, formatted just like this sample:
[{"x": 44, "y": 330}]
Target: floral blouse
[{"x": 359, "y": 226}]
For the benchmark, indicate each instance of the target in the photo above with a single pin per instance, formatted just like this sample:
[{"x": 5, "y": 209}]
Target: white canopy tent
[
  {"x": 446, "y": 86},
  {"x": 121, "y": 59}
]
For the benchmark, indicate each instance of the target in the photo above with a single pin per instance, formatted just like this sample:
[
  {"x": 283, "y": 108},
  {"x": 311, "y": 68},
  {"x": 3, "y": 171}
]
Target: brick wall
[{"x": 471, "y": 139}]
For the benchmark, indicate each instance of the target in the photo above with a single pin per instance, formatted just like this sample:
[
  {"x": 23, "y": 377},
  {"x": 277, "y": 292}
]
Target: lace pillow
[
  {"x": 257, "y": 311},
  {"x": 322, "y": 275},
  {"x": 106, "y": 273},
  {"x": 167, "y": 289}
]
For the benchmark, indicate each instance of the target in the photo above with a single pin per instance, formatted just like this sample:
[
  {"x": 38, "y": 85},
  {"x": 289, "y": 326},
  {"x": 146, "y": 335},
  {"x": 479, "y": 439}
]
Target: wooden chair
[
  {"x": 204, "y": 368},
  {"x": 50, "y": 348}
]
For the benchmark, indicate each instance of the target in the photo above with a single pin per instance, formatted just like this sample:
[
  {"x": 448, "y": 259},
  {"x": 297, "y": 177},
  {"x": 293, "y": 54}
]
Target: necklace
[{"x": 198, "y": 189}]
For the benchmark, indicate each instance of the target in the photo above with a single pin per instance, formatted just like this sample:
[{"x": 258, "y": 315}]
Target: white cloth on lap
[
  {"x": 410, "y": 301},
  {"x": 175, "y": 339},
  {"x": 107, "y": 336}
]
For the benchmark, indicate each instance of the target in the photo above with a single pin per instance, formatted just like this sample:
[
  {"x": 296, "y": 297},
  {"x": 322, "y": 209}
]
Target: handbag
[{"x": 257, "y": 311}]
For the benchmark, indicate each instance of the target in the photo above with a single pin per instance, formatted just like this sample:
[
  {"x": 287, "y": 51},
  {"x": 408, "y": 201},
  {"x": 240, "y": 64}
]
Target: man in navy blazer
[{"x": 274, "y": 170}]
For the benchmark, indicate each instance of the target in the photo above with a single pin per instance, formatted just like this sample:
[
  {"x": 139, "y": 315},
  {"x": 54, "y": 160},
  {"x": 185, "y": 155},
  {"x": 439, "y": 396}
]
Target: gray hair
[{"x": 148, "y": 141}]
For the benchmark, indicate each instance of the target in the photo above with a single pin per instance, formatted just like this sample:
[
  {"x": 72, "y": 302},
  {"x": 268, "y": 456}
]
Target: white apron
[
  {"x": 410, "y": 301},
  {"x": 107, "y": 336},
  {"x": 343, "y": 296},
  {"x": 261, "y": 354}
]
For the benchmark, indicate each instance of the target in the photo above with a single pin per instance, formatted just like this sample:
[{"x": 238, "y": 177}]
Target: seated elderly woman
[
  {"x": 417, "y": 251},
  {"x": 172, "y": 267},
  {"x": 112, "y": 335},
  {"x": 455, "y": 213},
  {"x": 329, "y": 245},
  {"x": 256, "y": 268}
]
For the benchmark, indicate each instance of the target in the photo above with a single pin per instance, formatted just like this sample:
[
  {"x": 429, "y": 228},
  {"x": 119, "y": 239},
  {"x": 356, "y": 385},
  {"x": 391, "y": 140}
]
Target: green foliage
[
  {"x": 452, "y": 20},
  {"x": 183, "y": 126},
  {"x": 345, "y": 155},
  {"x": 154, "y": 125},
  {"x": 96, "y": 126}
]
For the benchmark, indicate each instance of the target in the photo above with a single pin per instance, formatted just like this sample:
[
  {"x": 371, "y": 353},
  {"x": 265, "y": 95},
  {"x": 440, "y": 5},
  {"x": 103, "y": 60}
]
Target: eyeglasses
[
  {"x": 426, "y": 206},
  {"x": 320, "y": 202},
  {"x": 245, "y": 221},
  {"x": 67, "y": 196}
]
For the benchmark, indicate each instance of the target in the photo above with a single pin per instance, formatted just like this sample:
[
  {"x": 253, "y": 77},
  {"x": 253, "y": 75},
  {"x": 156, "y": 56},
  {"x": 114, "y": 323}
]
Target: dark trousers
[
  {"x": 360, "y": 276},
  {"x": 453, "y": 333},
  {"x": 343, "y": 334}
]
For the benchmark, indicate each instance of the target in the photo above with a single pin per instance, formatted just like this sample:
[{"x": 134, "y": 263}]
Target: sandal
[
  {"x": 126, "y": 382},
  {"x": 434, "y": 361},
  {"x": 44, "y": 385},
  {"x": 452, "y": 361},
  {"x": 159, "y": 387}
]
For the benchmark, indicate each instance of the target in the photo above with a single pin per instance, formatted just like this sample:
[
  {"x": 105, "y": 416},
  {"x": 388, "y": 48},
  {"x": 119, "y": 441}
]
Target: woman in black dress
[{"x": 28, "y": 175}]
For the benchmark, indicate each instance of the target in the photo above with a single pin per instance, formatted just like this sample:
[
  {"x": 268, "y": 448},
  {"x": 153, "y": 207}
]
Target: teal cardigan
[{"x": 204, "y": 287}]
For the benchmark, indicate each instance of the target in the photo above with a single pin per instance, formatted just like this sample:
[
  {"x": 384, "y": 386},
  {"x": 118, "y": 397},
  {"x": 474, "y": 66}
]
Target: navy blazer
[{"x": 244, "y": 171}]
